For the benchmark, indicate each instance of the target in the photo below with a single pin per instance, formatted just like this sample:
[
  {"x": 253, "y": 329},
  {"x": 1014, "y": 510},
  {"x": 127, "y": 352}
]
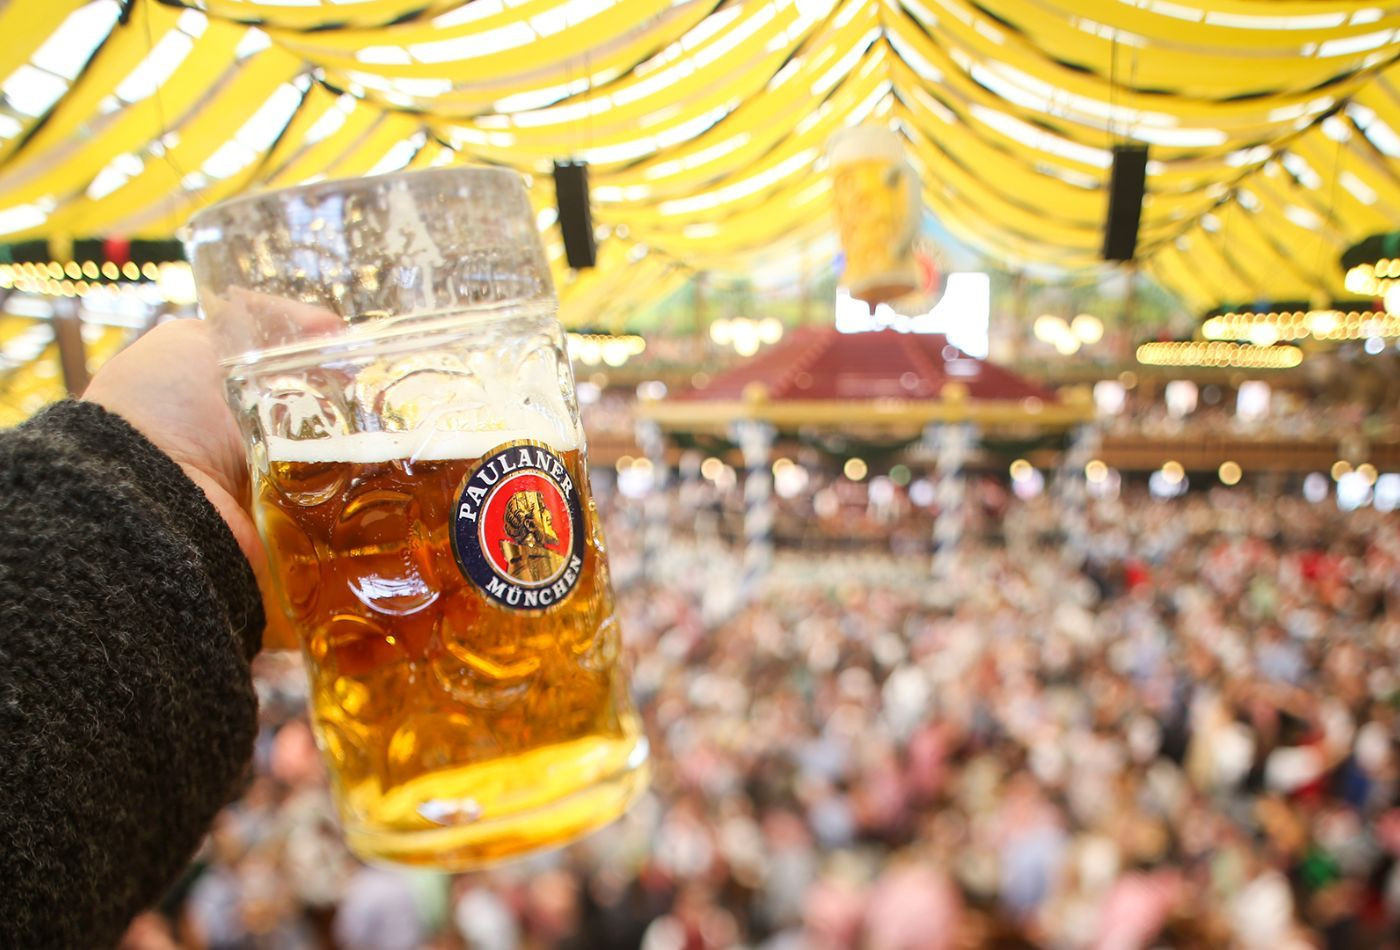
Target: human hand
[{"x": 168, "y": 385}]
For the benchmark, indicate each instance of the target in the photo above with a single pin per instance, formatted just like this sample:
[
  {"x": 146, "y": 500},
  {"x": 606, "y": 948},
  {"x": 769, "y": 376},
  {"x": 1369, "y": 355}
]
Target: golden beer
[
  {"x": 877, "y": 204},
  {"x": 460, "y": 728},
  {"x": 391, "y": 350}
]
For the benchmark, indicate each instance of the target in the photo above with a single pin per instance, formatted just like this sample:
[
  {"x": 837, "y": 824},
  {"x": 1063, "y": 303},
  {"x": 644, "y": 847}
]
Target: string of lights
[
  {"x": 1264, "y": 328},
  {"x": 609, "y": 349},
  {"x": 1218, "y": 353}
]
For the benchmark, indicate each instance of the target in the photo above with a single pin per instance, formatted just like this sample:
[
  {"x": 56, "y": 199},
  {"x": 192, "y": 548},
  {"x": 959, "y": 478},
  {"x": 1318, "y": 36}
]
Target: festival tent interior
[
  {"x": 1271, "y": 129},
  {"x": 704, "y": 123},
  {"x": 1004, "y": 606}
]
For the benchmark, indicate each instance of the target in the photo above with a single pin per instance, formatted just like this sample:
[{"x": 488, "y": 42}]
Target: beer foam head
[{"x": 418, "y": 445}]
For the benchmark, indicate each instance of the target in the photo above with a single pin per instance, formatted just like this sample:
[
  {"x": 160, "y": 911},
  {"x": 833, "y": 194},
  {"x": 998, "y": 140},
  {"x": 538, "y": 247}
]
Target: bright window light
[
  {"x": 510, "y": 36},
  {"x": 1175, "y": 10},
  {"x": 988, "y": 31},
  {"x": 1301, "y": 170},
  {"x": 398, "y": 156},
  {"x": 1248, "y": 156},
  {"x": 847, "y": 14},
  {"x": 922, "y": 67},
  {"x": 367, "y": 81},
  {"x": 253, "y": 42},
  {"x": 934, "y": 106},
  {"x": 32, "y": 91},
  {"x": 539, "y": 98},
  {"x": 1359, "y": 190},
  {"x": 741, "y": 189},
  {"x": 271, "y": 118},
  {"x": 650, "y": 85},
  {"x": 1348, "y": 45},
  {"x": 786, "y": 73},
  {"x": 1302, "y": 217},
  {"x": 1181, "y": 138},
  {"x": 465, "y": 135},
  {"x": 192, "y": 22},
  {"x": 331, "y": 120},
  {"x": 700, "y": 157},
  {"x": 1105, "y": 32},
  {"x": 21, "y": 217},
  {"x": 622, "y": 152},
  {"x": 1301, "y": 110},
  {"x": 469, "y": 13},
  {"x": 1247, "y": 21},
  {"x": 256, "y": 134},
  {"x": 1040, "y": 139},
  {"x": 572, "y": 13},
  {"x": 693, "y": 128},
  {"x": 558, "y": 115},
  {"x": 156, "y": 68},
  {"x": 807, "y": 15},
  {"x": 1335, "y": 129},
  {"x": 733, "y": 38},
  {"x": 116, "y": 173},
  {"x": 71, "y": 45},
  {"x": 421, "y": 88},
  {"x": 868, "y": 105},
  {"x": 709, "y": 27},
  {"x": 1380, "y": 135},
  {"x": 963, "y": 314},
  {"x": 384, "y": 55},
  {"x": 228, "y": 159},
  {"x": 844, "y": 65},
  {"x": 621, "y": 193}
]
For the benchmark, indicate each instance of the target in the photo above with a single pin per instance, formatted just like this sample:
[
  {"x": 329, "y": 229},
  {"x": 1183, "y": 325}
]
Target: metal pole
[
  {"x": 656, "y": 508},
  {"x": 1073, "y": 490},
  {"x": 72, "y": 352},
  {"x": 952, "y": 443},
  {"x": 756, "y": 443}
]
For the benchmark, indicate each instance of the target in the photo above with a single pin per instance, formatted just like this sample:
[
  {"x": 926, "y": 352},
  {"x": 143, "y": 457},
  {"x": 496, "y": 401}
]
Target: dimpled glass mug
[{"x": 394, "y": 358}]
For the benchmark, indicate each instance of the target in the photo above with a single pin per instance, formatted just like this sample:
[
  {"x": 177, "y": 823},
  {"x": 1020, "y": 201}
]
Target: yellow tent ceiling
[{"x": 1273, "y": 123}]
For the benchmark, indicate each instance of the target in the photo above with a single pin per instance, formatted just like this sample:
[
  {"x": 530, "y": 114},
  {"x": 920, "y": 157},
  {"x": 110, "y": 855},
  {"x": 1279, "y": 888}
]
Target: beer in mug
[{"x": 420, "y": 484}]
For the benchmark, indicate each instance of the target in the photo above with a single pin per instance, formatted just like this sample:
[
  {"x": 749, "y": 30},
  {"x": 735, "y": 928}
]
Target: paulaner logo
[{"x": 518, "y": 527}]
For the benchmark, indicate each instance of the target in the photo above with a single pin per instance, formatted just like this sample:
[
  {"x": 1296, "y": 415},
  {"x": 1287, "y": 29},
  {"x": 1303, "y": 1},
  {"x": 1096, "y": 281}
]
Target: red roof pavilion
[{"x": 877, "y": 379}]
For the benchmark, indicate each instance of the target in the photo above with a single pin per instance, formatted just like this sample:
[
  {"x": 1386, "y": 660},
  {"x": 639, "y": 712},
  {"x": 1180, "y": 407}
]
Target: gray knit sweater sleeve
[{"x": 128, "y": 616}]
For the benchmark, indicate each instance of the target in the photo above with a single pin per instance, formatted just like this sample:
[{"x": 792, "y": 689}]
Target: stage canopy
[
  {"x": 1272, "y": 123},
  {"x": 882, "y": 381}
]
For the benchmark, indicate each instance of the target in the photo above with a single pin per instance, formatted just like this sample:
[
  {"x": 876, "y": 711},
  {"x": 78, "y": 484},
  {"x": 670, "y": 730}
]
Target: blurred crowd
[
  {"x": 1209, "y": 411},
  {"x": 1284, "y": 416},
  {"x": 1182, "y": 735}
]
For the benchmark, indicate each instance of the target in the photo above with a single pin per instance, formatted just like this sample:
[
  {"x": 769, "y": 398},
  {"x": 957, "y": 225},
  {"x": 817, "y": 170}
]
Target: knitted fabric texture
[{"x": 128, "y": 616}]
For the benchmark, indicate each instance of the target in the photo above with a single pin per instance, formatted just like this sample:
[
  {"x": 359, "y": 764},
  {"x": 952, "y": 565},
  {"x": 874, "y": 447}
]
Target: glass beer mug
[{"x": 404, "y": 390}]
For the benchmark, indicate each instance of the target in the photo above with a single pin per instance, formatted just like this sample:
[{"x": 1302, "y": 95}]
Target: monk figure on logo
[{"x": 529, "y": 526}]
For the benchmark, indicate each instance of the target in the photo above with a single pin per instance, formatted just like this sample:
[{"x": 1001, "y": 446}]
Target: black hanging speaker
[
  {"x": 575, "y": 216},
  {"x": 1126, "y": 186}
]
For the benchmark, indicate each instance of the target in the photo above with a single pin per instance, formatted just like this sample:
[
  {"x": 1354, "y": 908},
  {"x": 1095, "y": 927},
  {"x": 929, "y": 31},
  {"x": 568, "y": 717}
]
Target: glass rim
[{"x": 349, "y": 183}]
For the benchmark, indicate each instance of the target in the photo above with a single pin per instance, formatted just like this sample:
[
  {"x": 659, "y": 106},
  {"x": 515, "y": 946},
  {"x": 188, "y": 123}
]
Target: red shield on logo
[
  {"x": 518, "y": 531},
  {"x": 526, "y": 529}
]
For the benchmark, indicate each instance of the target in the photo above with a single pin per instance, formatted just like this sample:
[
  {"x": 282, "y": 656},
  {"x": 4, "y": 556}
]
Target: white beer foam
[{"x": 366, "y": 448}]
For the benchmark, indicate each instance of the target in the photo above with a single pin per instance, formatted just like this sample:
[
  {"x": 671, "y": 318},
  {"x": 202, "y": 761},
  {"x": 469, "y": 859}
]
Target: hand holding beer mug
[{"x": 402, "y": 384}]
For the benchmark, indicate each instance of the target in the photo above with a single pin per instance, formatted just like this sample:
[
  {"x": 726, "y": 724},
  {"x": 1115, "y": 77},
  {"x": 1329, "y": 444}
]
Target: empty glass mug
[{"x": 394, "y": 358}]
